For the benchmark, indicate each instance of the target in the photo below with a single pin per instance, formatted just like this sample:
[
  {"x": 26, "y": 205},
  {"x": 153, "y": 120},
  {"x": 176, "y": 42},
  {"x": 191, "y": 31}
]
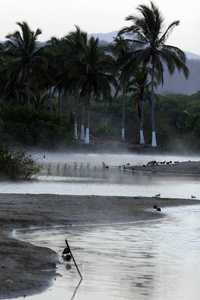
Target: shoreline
[
  {"x": 182, "y": 169},
  {"x": 28, "y": 269},
  {"x": 115, "y": 147}
]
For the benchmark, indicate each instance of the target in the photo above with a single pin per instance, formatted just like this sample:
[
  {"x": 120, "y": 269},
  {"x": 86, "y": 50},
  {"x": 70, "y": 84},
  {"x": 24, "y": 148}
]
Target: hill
[{"x": 176, "y": 83}]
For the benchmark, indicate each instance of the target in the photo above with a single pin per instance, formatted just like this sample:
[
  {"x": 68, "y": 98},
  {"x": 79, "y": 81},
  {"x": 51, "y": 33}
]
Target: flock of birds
[
  {"x": 151, "y": 163},
  {"x": 160, "y": 163}
]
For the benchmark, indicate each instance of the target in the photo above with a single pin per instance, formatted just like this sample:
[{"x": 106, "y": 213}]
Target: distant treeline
[
  {"x": 74, "y": 89},
  {"x": 178, "y": 123}
]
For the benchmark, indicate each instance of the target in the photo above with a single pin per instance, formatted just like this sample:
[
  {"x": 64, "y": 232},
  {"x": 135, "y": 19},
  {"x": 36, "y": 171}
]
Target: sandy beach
[
  {"x": 27, "y": 269},
  {"x": 187, "y": 168}
]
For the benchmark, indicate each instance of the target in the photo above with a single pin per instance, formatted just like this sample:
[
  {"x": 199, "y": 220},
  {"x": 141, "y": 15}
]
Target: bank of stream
[
  {"x": 124, "y": 249},
  {"x": 156, "y": 259}
]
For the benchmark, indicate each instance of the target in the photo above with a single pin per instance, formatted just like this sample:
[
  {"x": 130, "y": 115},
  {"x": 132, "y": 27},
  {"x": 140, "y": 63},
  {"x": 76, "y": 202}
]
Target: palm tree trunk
[
  {"x": 82, "y": 132},
  {"x": 60, "y": 102},
  {"x": 82, "y": 135},
  {"x": 87, "y": 131},
  {"x": 153, "y": 122},
  {"x": 50, "y": 96},
  {"x": 75, "y": 127},
  {"x": 153, "y": 140},
  {"x": 123, "y": 133},
  {"x": 142, "y": 140}
]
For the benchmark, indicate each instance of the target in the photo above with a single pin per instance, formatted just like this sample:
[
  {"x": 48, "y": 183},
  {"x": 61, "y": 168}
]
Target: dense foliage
[
  {"x": 178, "y": 123},
  {"x": 24, "y": 125},
  {"x": 16, "y": 165},
  {"x": 75, "y": 89}
]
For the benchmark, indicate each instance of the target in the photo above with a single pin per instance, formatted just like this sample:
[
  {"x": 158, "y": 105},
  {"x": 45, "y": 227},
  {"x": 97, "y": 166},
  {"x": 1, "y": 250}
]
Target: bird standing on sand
[
  {"x": 66, "y": 254},
  {"x": 104, "y": 166},
  {"x": 156, "y": 207},
  {"x": 157, "y": 196}
]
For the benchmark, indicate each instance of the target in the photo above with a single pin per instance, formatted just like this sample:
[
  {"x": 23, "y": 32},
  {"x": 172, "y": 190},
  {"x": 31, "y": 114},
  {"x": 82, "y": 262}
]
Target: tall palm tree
[
  {"x": 91, "y": 70},
  {"x": 124, "y": 75},
  {"x": 140, "y": 92},
  {"x": 62, "y": 54},
  {"x": 76, "y": 41},
  {"x": 152, "y": 50},
  {"x": 25, "y": 62},
  {"x": 96, "y": 76}
]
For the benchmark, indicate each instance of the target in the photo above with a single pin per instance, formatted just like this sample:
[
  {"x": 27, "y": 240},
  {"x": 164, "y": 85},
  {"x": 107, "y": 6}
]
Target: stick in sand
[
  {"x": 76, "y": 289},
  {"x": 73, "y": 259}
]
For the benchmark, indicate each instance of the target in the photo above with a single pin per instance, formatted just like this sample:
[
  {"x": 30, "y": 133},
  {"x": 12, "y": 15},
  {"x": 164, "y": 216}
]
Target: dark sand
[
  {"x": 27, "y": 269},
  {"x": 187, "y": 168}
]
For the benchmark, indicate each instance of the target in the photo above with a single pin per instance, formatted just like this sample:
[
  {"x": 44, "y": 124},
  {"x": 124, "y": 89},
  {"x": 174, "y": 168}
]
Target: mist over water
[
  {"x": 145, "y": 260},
  {"x": 83, "y": 174},
  {"x": 112, "y": 159}
]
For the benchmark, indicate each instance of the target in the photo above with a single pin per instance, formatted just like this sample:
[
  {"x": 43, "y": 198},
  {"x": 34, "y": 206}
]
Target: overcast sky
[{"x": 57, "y": 17}]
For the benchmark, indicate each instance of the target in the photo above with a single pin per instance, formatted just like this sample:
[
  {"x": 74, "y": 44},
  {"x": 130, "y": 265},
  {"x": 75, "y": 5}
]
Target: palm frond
[{"x": 170, "y": 28}]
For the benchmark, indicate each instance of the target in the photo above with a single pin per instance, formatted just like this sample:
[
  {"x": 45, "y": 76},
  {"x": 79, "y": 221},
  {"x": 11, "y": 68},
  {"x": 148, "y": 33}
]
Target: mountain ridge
[
  {"x": 110, "y": 36},
  {"x": 176, "y": 83}
]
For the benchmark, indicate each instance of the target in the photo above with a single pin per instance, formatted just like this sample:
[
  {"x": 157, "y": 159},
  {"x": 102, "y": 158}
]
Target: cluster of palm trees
[{"x": 79, "y": 70}]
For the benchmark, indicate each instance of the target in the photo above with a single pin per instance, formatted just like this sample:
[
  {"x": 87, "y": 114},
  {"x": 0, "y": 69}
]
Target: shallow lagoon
[
  {"x": 84, "y": 176},
  {"x": 143, "y": 260}
]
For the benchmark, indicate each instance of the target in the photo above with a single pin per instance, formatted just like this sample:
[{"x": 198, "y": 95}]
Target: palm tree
[
  {"x": 76, "y": 41},
  {"x": 62, "y": 53},
  {"x": 96, "y": 76},
  {"x": 91, "y": 72},
  {"x": 25, "y": 60},
  {"x": 152, "y": 50},
  {"x": 124, "y": 76},
  {"x": 140, "y": 92}
]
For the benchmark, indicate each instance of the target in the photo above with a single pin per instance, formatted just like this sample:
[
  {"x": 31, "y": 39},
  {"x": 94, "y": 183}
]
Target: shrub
[
  {"x": 23, "y": 125},
  {"x": 16, "y": 165}
]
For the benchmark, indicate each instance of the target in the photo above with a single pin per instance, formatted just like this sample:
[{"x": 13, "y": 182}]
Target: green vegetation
[
  {"x": 24, "y": 125},
  {"x": 16, "y": 165},
  {"x": 76, "y": 90},
  {"x": 178, "y": 123},
  {"x": 153, "y": 52},
  {"x": 179, "y": 117}
]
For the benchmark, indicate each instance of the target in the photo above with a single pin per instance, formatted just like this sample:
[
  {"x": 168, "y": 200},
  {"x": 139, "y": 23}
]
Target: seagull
[{"x": 193, "y": 197}]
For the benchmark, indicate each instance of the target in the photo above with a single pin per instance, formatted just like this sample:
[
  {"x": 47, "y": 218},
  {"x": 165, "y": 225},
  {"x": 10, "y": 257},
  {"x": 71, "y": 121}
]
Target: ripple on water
[
  {"x": 84, "y": 176},
  {"x": 149, "y": 260}
]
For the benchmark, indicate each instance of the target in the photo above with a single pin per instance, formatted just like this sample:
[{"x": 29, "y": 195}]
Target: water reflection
[
  {"x": 76, "y": 289},
  {"x": 96, "y": 159},
  {"x": 82, "y": 174},
  {"x": 147, "y": 260},
  {"x": 122, "y": 185}
]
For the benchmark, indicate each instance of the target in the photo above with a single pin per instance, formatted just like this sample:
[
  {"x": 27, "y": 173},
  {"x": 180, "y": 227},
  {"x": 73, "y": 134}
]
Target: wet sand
[
  {"x": 27, "y": 269},
  {"x": 187, "y": 168}
]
